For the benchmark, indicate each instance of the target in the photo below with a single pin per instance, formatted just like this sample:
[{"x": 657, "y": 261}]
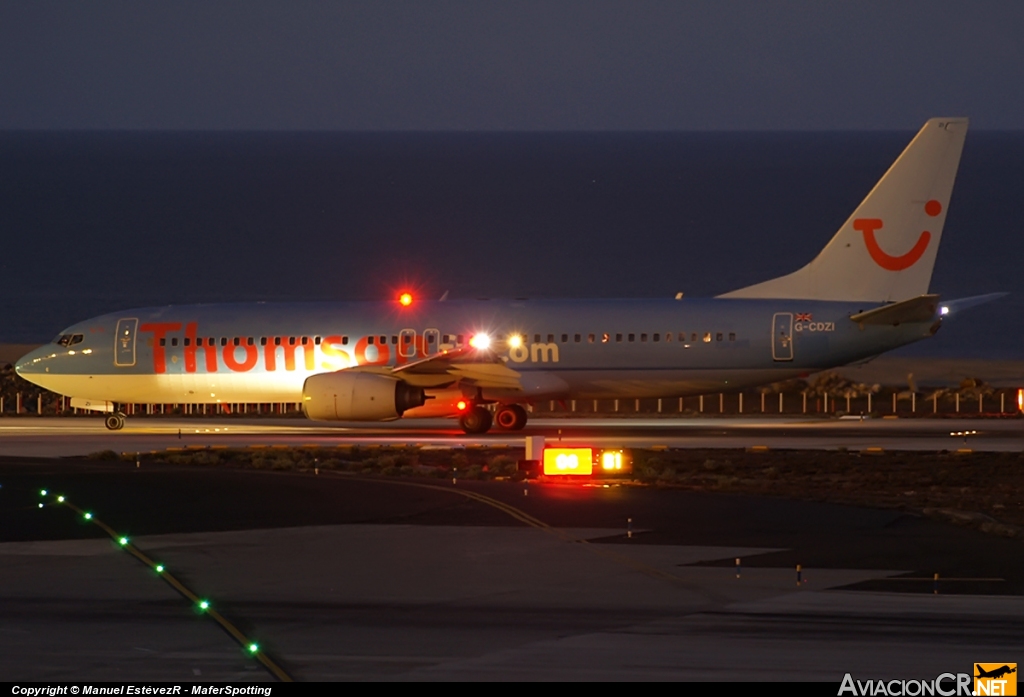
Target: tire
[
  {"x": 114, "y": 422},
  {"x": 477, "y": 420},
  {"x": 511, "y": 418}
]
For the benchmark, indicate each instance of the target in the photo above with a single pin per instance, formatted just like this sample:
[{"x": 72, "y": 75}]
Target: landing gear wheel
[
  {"x": 511, "y": 417},
  {"x": 476, "y": 420},
  {"x": 114, "y": 422}
]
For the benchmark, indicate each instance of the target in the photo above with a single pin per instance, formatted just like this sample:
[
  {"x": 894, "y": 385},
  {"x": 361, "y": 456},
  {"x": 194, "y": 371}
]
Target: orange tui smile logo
[{"x": 888, "y": 261}]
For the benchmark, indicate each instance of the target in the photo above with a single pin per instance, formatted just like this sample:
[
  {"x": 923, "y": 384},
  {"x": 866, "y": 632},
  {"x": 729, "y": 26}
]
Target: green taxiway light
[
  {"x": 88, "y": 516},
  {"x": 159, "y": 568},
  {"x": 42, "y": 492},
  {"x": 40, "y": 505},
  {"x": 204, "y": 605},
  {"x": 60, "y": 499},
  {"x": 254, "y": 648},
  {"x": 123, "y": 541}
]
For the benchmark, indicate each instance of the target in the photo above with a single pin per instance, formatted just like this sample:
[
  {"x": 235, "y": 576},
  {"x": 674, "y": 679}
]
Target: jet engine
[{"x": 354, "y": 396}]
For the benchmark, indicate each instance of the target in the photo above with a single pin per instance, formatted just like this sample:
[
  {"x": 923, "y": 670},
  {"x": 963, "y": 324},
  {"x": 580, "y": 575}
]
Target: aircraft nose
[{"x": 32, "y": 363}]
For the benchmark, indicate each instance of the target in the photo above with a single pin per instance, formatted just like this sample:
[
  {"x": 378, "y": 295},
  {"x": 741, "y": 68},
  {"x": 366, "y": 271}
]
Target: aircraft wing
[{"x": 465, "y": 365}]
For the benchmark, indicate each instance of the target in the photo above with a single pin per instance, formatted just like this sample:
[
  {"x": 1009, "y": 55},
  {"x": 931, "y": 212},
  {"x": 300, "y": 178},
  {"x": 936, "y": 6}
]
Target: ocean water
[{"x": 95, "y": 222}]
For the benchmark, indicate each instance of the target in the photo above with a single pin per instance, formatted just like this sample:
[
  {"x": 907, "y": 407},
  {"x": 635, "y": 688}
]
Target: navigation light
[
  {"x": 480, "y": 341},
  {"x": 515, "y": 341},
  {"x": 405, "y": 299}
]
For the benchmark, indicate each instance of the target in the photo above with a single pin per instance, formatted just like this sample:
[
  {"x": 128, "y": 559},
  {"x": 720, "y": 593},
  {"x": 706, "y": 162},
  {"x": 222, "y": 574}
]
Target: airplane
[
  {"x": 994, "y": 673},
  {"x": 481, "y": 361}
]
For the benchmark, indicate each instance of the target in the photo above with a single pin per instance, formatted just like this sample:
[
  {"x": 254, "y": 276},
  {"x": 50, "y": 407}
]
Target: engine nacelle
[{"x": 353, "y": 396}]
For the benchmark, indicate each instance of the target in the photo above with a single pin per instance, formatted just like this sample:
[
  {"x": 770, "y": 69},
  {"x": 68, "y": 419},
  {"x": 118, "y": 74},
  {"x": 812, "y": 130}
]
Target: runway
[
  {"x": 64, "y": 437},
  {"x": 341, "y": 578}
]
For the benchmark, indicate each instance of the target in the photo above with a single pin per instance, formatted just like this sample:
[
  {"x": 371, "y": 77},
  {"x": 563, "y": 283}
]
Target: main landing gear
[
  {"x": 115, "y": 421},
  {"x": 510, "y": 417}
]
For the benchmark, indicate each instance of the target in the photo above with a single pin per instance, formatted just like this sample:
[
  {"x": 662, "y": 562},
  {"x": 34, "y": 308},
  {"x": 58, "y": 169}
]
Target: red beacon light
[
  {"x": 405, "y": 299},
  {"x": 461, "y": 405}
]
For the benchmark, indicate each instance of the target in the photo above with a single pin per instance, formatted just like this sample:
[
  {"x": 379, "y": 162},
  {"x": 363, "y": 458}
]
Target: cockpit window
[{"x": 69, "y": 339}]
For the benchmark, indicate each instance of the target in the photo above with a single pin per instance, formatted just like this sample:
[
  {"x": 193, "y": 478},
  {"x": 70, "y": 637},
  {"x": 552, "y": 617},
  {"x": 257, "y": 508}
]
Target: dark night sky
[{"x": 478, "y": 65}]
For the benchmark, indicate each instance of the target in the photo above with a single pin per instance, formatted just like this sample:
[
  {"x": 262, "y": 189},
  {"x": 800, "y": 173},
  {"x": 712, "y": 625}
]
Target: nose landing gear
[{"x": 115, "y": 421}]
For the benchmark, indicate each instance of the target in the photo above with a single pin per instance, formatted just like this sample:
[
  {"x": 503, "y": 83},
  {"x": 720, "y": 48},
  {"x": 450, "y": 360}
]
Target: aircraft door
[
  {"x": 431, "y": 340},
  {"x": 124, "y": 342},
  {"x": 782, "y": 336},
  {"x": 407, "y": 343}
]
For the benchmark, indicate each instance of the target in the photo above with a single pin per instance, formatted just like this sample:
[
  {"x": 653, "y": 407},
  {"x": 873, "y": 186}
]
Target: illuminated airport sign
[{"x": 568, "y": 461}]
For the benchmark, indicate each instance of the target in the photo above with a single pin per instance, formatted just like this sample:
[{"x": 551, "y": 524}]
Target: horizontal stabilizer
[{"x": 919, "y": 309}]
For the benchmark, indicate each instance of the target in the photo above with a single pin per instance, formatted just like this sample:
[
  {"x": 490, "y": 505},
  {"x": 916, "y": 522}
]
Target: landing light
[
  {"x": 405, "y": 299},
  {"x": 480, "y": 341},
  {"x": 944, "y": 310}
]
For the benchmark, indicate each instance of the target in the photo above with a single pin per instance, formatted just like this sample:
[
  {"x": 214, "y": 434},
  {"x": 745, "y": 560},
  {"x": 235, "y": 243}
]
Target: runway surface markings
[
  {"x": 249, "y": 646},
  {"x": 530, "y": 520}
]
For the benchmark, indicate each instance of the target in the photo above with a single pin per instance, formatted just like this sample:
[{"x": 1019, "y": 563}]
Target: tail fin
[{"x": 886, "y": 250}]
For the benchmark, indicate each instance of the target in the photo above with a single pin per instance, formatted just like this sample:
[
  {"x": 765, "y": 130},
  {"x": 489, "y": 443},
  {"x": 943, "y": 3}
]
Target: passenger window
[
  {"x": 236, "y": 341},
  {"x": 174, "y": 341},
  {"x": 383, "y": 340},
  {"x": 370, "y": 340},
  {"x": 536, "y": 338},
  {"x": 394, "y": 339},
  {"x": 618, "y": 337},
  {"x": 718, "y": 336},
  {"x": 643, "y": 337},
  {"x": 446, "y": 339},
  {"x": 604, "y": 338},
  {"x": 577, "y": 338},
  {"x": 250, "y": 341},
  {"x": 344, "y": 340},
  {"x": 590, "y": 338},
  {"x": 707, "y": 337},
  {"x": 305, "y": 341},
  {"x": 693, "y": 337},
  {"x": 565, "y": 338},
  {"x": 316, "y": 340},
  {"x": 277, "y": 341},
  {"x": 199, "y": 341},
  {"x": 632, "y": 337},
  {"x": 188, "y": 341},
  {"x": 163, "y": 341},
  {"x": 291, "y": 341},
  {"x": 460, "y": 339},
  {"x": 551, "y": 338},
  {"x": 732, "y": 336},
  {"x": 223, "y": 341},
  {"x": 656, "y": 337},
  {"x": 430, "y": 339}
]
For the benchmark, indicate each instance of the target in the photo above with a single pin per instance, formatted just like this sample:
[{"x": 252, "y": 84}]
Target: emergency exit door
[
  {"x": 124, "y": 342},
  {"x": 782, "y": 336}
]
